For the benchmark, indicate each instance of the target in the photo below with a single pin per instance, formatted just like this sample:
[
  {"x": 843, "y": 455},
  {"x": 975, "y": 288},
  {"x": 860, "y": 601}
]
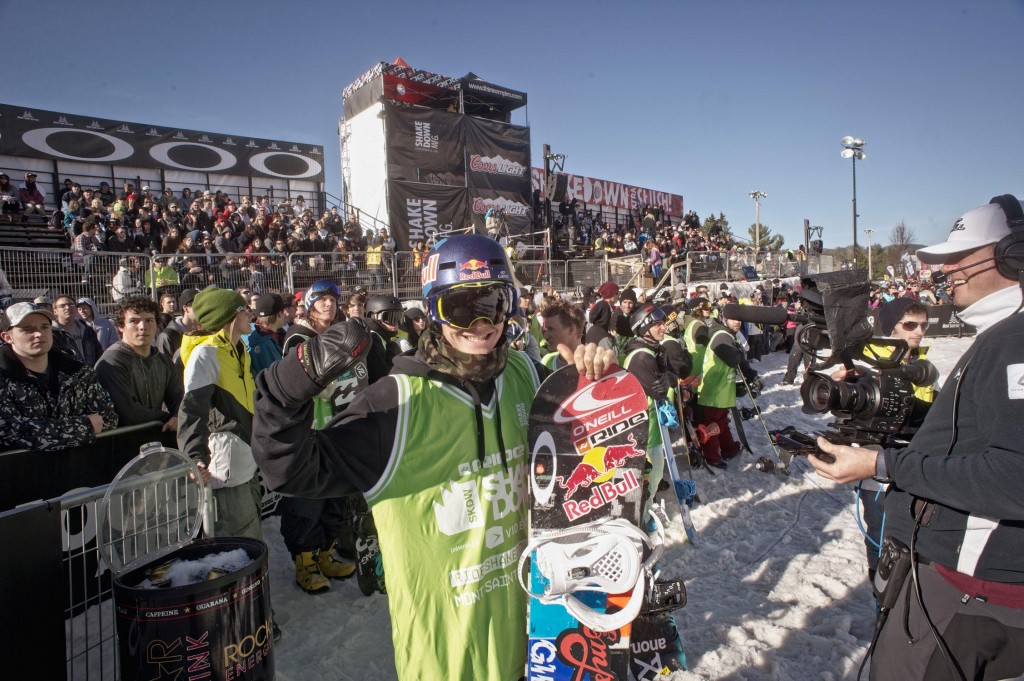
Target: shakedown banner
[
  {"x": 425, "y": 212},
  {"x": 425, "y": 145},
  {"x": 37, "y": 133}
]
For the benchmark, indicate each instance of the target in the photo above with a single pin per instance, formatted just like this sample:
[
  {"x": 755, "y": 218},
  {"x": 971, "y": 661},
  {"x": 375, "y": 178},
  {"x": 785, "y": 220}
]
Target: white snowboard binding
[{"x": 605, "y": 556}]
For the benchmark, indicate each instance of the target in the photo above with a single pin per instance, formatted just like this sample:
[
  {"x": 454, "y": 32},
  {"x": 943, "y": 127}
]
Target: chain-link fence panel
[
  {"x": 373, "y": 270},
  {"x": 408, "y": 280},
  {"x": 92, "y": 274}
]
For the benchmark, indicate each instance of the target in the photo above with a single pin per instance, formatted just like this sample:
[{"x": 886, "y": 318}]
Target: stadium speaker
[{"x": 816, "y": 246}]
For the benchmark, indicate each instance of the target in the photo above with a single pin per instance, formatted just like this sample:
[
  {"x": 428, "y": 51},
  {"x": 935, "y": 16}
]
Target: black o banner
[
  {"x": 419, "y": 211},
  {"x": 37, "y": 133},
  {"x": 425, "y": 145}
]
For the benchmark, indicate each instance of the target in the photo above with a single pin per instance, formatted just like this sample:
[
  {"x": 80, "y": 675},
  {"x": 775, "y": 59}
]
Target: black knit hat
[{"x": 890, "y": 313}]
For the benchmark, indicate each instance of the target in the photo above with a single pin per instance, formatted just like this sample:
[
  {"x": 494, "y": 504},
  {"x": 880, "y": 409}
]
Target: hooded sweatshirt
[{"x": 106, "y": 332}]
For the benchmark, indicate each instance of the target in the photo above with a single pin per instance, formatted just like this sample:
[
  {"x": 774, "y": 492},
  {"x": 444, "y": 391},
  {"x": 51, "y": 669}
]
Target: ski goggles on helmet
[
  {"x": 461, "y": 306},
  {"x": 320, "y": 289},
  {"x": 655, "y": 316},
  {"x": 391, "y": 317}
]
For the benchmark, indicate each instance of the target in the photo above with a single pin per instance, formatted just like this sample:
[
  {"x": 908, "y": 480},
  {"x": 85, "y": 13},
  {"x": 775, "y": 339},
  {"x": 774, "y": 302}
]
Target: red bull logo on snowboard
[{"x": 598, "y": 468}]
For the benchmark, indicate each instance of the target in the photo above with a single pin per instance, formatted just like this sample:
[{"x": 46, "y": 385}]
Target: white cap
[
  {"x": 976, "y": 228},
  {"x": 17, "y": 313},
  {"x": 146, "y": 188}
]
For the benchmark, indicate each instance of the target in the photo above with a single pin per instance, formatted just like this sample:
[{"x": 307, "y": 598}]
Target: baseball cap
[
  {"x": 146, "y": 188},
  {"x": 16, "y": 314},
  {"x": 187, "y": 296},
  {"x": 43, "y": 300},
  {"x": 268, "y": 304},
  {"x": 979, "y": 227},
  {"x": 28, "y": 175}
]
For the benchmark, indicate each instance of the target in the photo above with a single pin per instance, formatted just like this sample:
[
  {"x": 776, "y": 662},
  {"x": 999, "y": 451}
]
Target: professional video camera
[{"x": 874, "y": 406}]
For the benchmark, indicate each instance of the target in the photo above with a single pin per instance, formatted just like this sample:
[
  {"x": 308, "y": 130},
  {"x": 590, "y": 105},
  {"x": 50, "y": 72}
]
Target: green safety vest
[
  {"x": 718, "y": 385},
  {"x": 695, "y": 349},
  {"x": 451, "y": 529},
  {"x": 552, "y": 361}
]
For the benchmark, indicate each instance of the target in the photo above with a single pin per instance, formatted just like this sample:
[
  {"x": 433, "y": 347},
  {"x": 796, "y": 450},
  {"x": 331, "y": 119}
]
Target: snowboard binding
[{"x": 603, "y": 556}]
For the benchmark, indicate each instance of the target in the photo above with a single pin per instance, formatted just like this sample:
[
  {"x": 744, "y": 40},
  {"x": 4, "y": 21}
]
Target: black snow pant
[
  {"x": 312, "y": 524},
  {"x": 986, "y": 640}
]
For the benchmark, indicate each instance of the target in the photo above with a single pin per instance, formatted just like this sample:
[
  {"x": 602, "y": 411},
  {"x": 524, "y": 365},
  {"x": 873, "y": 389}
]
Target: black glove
[
  {"x": 329, "y": 355},
  {"x": 741, "y": 389},
  {"x": 662, "y": 384},
  {"x": 756, "y": 386}
]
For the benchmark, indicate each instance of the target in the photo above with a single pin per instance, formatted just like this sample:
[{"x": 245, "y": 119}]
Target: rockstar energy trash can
[{"x": 217, "y": 628}]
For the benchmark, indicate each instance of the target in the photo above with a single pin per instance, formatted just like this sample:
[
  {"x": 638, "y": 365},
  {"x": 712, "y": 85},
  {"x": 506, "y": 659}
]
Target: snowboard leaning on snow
[{"x": 587, "y": 443}]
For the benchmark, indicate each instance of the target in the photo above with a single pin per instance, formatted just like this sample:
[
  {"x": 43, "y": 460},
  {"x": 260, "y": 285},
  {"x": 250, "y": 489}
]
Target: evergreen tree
[
  {"x": 716, "y": 226},
  {"x": 770, "y": 241}
]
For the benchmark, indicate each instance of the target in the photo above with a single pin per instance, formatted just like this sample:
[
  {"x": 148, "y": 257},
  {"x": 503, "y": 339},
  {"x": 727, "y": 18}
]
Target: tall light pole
[
  {"x": 757, "y": 195},
  {"x": 853, "y": 148},
  {"x": 869, "y": 232}
]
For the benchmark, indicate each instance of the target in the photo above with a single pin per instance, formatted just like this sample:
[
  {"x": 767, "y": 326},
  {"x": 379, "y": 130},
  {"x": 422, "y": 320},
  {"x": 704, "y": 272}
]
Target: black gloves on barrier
[{"x": 327, "y": 356}]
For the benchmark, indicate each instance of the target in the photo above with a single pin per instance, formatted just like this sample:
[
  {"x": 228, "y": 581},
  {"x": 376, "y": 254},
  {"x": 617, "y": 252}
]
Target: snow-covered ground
[{"x": 777, "y": 584}]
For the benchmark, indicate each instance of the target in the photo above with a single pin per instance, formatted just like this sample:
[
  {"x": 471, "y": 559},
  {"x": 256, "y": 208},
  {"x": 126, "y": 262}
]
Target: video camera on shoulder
[{"x": 871, "y": 406}]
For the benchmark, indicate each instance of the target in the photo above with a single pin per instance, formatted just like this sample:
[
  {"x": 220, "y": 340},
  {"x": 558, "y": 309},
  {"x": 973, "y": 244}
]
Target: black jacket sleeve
[
  {"x": 677, "y": 358},
  {"x": 725, "y": 349},
  {"x": 349, "y": 455},
  {"x": 647, "y": 371}
]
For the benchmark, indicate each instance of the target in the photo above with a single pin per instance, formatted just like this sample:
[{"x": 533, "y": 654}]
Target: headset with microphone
[{"x": 1009, "y": 251}]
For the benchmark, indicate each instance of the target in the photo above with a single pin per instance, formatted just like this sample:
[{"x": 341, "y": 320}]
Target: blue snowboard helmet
[
  {"x": 466, "y": 261},
  {"x": 322, "y": 288}
]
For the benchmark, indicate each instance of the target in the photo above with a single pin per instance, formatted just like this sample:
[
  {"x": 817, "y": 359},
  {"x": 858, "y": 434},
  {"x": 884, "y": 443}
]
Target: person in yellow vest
[
  {"x": 439, "y": 449},
  {"x": 716, "y": 394},
  {"x": 375, "y": 260},
  {"x": 904, "y": 319}
]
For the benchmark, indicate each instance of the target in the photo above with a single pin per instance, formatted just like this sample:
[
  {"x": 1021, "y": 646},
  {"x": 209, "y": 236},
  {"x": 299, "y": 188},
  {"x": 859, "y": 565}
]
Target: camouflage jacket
[{"x": 50, "y": 416}]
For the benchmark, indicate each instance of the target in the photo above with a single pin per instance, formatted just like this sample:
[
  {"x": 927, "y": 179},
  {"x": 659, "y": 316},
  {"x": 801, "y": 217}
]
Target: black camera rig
[{"x": 873, "y": 406}]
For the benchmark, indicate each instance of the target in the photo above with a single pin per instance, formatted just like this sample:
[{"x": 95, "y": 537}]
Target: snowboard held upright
[{"x": 588, "y": 554}]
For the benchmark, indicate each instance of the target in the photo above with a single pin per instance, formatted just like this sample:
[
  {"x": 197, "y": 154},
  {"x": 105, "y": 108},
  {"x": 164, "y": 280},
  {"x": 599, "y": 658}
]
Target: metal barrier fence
[
  {"x": 375, "y": 271},
  {"x": 155, "y": 512}
]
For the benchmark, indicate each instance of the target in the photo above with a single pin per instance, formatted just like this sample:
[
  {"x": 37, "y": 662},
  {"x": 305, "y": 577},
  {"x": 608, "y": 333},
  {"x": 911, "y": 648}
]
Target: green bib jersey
[
  {"x": 452, "y": 527},
  {"x": 718, "y": 385},
  {"x": 695, "y": 349}
]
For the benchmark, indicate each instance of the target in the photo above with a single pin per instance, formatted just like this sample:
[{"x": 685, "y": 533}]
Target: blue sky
[{"x": 709, "y": 100}]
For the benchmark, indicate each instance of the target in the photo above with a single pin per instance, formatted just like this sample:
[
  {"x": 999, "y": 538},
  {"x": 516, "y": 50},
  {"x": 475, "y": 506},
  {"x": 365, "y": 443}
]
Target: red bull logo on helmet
[{"x": 474, "y": 269}]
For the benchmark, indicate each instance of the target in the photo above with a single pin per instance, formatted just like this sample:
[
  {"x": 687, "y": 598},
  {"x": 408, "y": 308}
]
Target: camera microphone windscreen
[{"x": 757, "y": 314}]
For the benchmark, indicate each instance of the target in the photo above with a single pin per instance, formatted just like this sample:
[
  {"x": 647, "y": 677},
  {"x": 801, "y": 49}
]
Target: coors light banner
[
  {"x": 515, "y": 206},
  {"x": 47, "y": 134},
  {"x": 418, "y": 211},
  {"x": 425, "y": 145},
  {"x": 498, "y": 156}
]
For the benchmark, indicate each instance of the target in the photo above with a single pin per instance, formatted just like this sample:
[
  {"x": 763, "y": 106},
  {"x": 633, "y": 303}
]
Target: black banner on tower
[
  {"x": 424, "y": 212},
  {"x": 425, "y": 145},
  {"x": 498, "y": 156},
  {"x": 514, "y": 206},
  {"x": 69, "y": 137}
]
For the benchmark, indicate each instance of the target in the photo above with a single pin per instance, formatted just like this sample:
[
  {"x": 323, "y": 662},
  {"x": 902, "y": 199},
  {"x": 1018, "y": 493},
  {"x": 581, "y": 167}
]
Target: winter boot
[
  {"x": 333, "y": 568},
  {"x": 308, "y": 575}
]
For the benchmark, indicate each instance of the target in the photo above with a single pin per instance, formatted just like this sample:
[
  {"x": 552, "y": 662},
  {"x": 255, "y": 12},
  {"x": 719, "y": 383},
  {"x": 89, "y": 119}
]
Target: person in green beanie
[{"x": 215, "y": 417}]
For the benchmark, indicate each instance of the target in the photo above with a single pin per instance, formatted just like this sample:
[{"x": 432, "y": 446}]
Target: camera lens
[{"x": 818, "y": 393}]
